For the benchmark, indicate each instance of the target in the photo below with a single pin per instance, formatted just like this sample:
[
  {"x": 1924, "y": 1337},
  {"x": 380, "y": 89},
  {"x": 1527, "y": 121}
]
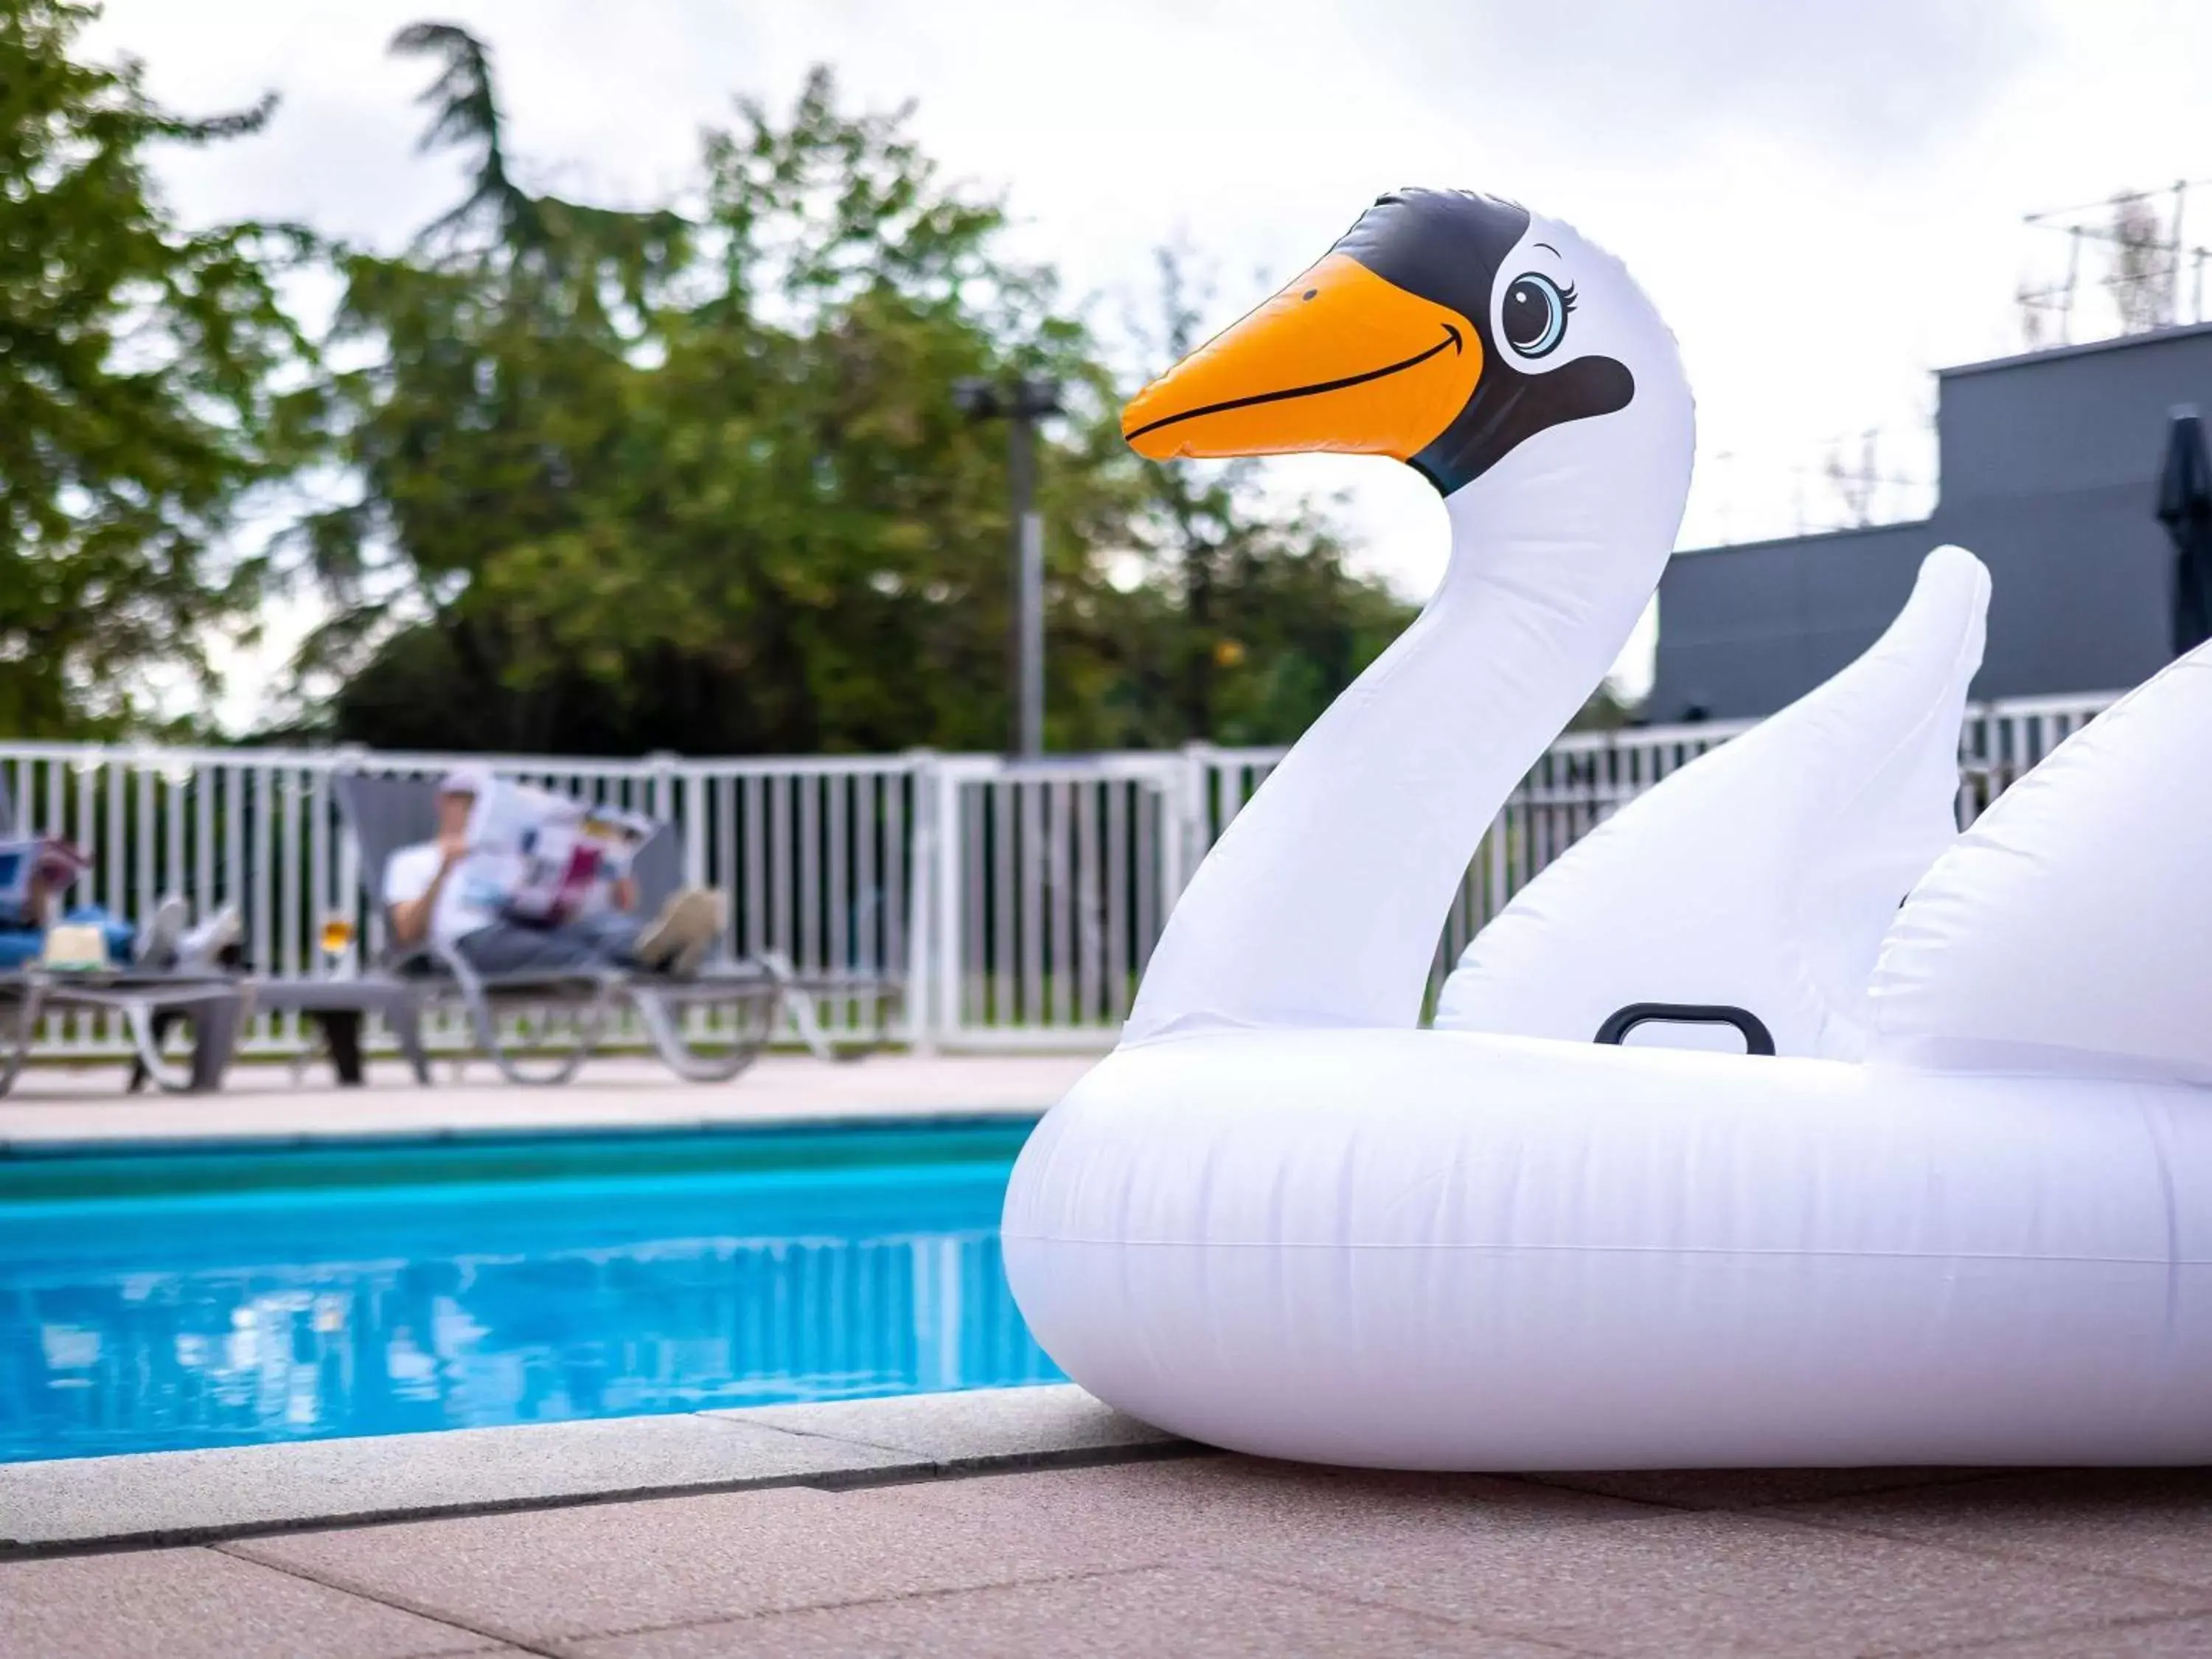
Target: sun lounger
[
  {"x": 148, "y": 999},
  {"x": 385, "y": 814},
  {"x": 218, "y": 1005}
]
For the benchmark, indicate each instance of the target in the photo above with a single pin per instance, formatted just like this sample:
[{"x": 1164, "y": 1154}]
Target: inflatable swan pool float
[{"x": 1281, "y": 1219}]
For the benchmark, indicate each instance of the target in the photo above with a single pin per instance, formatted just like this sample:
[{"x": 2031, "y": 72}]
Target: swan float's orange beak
[{"x": 1341, "y": 360}]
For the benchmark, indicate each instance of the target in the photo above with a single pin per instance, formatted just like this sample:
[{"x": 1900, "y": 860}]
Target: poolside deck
[
  {"x": 934, "y": 1527},
  {"x": 261, "y": 1102}
]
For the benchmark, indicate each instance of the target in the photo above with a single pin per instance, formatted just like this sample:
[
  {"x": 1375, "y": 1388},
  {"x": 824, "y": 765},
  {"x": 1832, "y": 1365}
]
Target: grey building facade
[{"x": 2049, "y": 466}]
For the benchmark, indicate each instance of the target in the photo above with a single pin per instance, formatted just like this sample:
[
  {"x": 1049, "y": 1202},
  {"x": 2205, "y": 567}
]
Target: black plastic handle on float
[{"x": 1757, "y": 1039}]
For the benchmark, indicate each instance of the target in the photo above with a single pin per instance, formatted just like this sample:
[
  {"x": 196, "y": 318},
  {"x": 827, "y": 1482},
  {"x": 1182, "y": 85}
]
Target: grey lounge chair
[
  {"x": 217, "y": 1004},
  {"x": 387, "y": 813}
]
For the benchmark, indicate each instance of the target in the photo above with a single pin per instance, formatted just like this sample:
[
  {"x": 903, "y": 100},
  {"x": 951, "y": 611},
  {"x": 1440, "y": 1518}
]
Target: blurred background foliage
[
  {"x": 142, "y": 368},
  {"x": 568, "y": 478}
]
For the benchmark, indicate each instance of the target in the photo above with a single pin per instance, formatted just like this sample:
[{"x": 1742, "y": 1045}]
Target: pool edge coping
[
  {"x": 166, "y": 1499},
  {"x": 311, "y": 1137}
]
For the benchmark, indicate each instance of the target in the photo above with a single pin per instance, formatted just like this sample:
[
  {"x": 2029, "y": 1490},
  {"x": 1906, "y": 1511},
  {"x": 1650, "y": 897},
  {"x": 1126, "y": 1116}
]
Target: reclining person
[{"x": 441, "y": 889}]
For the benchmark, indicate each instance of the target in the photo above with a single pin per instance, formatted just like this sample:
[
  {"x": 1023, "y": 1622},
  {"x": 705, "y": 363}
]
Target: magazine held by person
[{"x": 543, "y": 859}]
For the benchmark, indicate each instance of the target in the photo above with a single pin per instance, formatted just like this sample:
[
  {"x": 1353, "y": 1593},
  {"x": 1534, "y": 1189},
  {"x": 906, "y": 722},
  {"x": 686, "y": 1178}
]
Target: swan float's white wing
[
  {"x": 1764, "y": 874},
  {"x": 2070, "y": 929}
]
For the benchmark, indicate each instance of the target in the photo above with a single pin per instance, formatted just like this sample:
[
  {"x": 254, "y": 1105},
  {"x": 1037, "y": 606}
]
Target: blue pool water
[{"x": 157, "y": 1300}]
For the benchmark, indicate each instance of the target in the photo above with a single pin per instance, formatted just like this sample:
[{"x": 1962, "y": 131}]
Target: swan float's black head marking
[
  {"x": 1439, "y": 330},
  {"x": 1458, "y": 248}
]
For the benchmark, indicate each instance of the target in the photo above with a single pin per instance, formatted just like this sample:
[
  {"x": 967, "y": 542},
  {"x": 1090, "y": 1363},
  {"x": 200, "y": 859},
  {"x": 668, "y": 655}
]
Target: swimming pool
[{"x": 156, "y": 1300}]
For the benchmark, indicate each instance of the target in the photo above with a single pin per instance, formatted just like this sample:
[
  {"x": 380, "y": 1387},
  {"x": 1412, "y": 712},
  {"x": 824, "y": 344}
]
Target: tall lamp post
[{"x": 1022, "y": 404}]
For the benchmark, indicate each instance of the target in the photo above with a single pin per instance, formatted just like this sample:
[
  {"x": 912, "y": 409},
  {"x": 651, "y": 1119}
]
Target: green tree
[
  {"x": 628, "y": 480},
  {"x": 806, "y": 545},
  {"x": 484, "y": 412},
  {"x": 140, "y": 369},
  {"x": 631, "y": 480}
]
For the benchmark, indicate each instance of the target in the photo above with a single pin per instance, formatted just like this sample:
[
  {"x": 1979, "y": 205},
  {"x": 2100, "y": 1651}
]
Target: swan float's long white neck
[{"x": 1322, "y": 904}]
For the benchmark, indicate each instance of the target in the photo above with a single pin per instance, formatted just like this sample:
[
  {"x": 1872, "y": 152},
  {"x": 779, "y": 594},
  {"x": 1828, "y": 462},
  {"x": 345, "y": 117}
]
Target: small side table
[{"x": 339, "y": 1005}]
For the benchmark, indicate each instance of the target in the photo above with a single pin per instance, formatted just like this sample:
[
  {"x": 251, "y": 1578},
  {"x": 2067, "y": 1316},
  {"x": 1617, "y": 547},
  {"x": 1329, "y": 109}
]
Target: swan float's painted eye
[{"x": 1535, "y": 314}]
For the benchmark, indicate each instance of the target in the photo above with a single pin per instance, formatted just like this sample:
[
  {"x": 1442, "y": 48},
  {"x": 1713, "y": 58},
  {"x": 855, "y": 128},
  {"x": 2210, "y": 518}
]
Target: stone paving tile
[
  {"x": 1191, "y": 1614},
  {"x": 197, "y": 1493},
  {"x": 2148, "y": 1523},
  {"x": 540, "y": 1575},
  {"x": 1191, "y": 1509},
  {"x": 1723, "y": 1584},
  {"x": 2164, "y": 1638},
  {"x": 950, "y": 1428},
  {"x": 1610, "y": 1579},
  {"x": 183, "y": 1604},
  {"x": 1744, "y": 1488}
]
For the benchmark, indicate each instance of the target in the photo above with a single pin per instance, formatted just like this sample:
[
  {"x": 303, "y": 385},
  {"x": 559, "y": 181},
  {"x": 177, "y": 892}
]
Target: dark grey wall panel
[
  {"x": 2048, "y": 464},
  {"x": 2086, "y": 417},
  {"x": 1743, "y": 630}
]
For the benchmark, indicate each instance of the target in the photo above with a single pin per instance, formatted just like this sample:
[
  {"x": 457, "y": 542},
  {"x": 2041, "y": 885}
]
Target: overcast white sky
[{"x": 1824, "y": 197}]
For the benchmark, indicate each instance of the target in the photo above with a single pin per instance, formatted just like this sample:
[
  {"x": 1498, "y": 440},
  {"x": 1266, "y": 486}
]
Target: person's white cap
[{"x": 465, "y": 781}]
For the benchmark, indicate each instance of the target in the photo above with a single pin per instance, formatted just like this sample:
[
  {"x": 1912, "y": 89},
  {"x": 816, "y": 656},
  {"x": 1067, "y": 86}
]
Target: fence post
[
  {"x": 671, "y": 798},
  {"x": 920, "y": 1003},
  {"x": 946, "y": 933},
  {"x": 1192, "y": 789}
]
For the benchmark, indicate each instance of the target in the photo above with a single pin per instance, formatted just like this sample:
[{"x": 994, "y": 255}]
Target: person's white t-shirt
[{"x": 471, "y": 897}]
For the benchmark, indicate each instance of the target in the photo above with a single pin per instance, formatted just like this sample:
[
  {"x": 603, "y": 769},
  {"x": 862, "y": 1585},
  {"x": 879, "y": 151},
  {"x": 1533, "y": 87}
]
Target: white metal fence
[{"x": 1018, "y": 901}]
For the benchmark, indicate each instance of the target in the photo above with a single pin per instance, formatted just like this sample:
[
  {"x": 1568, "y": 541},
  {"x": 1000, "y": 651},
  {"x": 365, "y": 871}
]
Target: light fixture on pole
[{"x": 1022, "y": 404}]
